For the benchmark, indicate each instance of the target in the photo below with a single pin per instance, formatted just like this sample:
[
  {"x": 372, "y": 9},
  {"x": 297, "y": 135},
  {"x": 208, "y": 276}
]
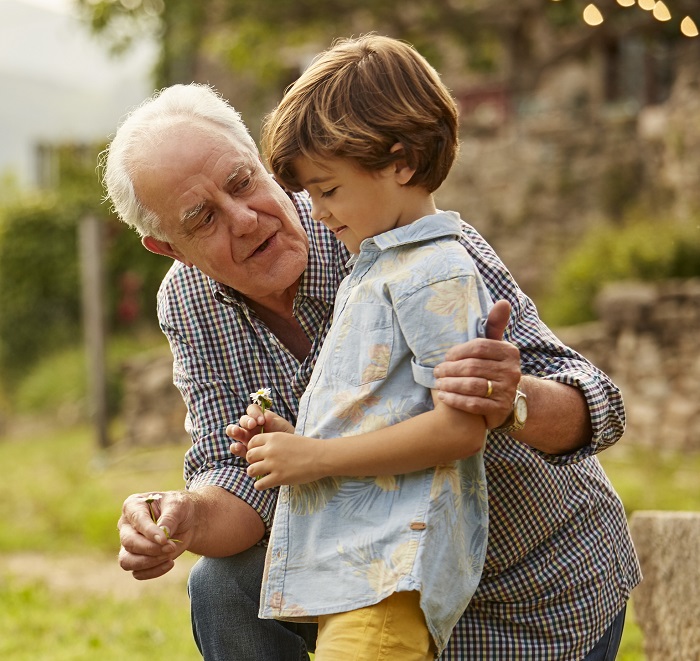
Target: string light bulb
[
  {"x": 647, "y": 5},
  {"x": 626, "y": 3},
  {"x": 688, "y": 27},
  {"x": 661, "y": 12},
  {"x": 592, "y": 15}
]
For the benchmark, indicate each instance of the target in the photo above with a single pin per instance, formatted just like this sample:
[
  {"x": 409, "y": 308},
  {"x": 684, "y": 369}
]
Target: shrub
[
  {"x": 39, "y": 282},
  {"x": 638, "y": 250},
  {"x": 40, "y": 288}
]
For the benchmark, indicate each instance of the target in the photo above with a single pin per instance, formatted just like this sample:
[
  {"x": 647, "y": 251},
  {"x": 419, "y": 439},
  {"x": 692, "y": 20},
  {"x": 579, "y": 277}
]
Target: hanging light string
[{"x": 593, "y": 16}]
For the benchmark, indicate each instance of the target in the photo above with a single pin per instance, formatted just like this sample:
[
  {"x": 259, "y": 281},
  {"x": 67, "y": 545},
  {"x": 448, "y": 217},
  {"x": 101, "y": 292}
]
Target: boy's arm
[{"x": 430, "y": 439}]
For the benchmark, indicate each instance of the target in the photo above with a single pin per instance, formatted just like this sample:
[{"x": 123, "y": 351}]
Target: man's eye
[
  {"x": 244, "y": 184},
  {"x": 328, "y": 193},
  {"x": 207, "y": 219}
]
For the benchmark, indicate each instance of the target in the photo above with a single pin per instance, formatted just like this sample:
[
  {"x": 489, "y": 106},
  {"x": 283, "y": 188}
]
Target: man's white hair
[{"x": 145, "y": 123}]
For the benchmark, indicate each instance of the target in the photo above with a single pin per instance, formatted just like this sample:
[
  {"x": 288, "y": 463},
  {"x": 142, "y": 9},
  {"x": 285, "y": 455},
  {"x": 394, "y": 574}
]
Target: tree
[{"x": 264, "y": 44}]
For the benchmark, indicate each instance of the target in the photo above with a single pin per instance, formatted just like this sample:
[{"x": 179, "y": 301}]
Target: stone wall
[
  {"x": 667, "y": 602},
  {"x": 648, "y": 341},
  {"x": 535, "y": 184},
  {"x": 152, "y": 408}
]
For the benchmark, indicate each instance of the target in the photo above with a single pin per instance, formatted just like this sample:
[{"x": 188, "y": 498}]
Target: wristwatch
[{"x": 518, "y": 416}]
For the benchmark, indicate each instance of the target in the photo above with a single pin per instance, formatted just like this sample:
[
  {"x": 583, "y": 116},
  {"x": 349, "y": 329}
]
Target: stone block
[{"x": 667, "y": 602}]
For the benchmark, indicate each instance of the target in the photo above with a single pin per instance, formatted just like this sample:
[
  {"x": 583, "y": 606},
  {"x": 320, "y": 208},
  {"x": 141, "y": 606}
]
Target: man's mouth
[{"x": 263, "y": 246}]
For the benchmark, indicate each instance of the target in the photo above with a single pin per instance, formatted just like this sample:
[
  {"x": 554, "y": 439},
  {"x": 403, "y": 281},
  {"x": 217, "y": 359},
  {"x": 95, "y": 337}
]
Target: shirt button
[{"x": 418, "y": 525}]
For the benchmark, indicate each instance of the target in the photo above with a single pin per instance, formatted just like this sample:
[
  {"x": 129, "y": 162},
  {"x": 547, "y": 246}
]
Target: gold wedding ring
[{"x": 489, "y": 390}]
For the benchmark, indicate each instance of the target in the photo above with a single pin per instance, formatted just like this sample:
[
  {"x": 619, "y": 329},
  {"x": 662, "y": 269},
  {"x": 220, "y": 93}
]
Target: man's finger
[{"x": 497, "y": 320}]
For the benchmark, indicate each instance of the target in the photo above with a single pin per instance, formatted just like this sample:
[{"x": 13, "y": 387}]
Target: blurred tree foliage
[
  {"x": 40, "y": 288},
  {"x": 640, "y": 249},
  {"x": 517, "y": 39}
]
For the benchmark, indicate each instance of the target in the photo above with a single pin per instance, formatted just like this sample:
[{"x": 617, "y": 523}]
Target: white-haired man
[{"x": 247, "y": 304}]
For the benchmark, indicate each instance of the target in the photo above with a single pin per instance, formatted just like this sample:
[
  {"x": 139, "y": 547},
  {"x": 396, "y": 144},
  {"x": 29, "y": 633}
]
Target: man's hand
[
  {"x": 148, "y": 548},
  {"x": 463, "y": 379}
]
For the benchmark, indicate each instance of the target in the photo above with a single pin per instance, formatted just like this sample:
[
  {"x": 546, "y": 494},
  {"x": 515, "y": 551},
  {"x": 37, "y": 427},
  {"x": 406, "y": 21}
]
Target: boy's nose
[{"x": 318, "y": 212}]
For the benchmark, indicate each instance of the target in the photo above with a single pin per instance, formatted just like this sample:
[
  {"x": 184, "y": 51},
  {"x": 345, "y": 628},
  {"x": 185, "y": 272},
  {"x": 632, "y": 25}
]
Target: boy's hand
[
  {"x": 251, "y": 424},
  {"x": 282, "y": 458}
]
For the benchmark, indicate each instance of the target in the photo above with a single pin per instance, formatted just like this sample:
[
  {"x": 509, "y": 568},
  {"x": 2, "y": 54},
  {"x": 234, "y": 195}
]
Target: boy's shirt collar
[{"x": 439, "y": 225}]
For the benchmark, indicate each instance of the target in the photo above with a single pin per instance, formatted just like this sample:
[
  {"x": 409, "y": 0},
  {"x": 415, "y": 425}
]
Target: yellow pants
[{"x": 392, "y": 630}]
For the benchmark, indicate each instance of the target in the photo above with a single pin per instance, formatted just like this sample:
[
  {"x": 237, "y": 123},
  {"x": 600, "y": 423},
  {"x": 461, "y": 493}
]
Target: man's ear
[
  {"x": 163, "y": 248},
  {"x": 402, "y": 170}
]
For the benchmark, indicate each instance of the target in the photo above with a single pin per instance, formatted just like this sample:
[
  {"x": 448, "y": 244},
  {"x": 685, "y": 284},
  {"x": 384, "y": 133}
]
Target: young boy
[{"x": 385, "y": 564}]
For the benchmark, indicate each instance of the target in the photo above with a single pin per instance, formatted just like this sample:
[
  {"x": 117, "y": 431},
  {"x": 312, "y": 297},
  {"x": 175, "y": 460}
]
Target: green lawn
[
  {"x": 60, "y": 500},
  {"x": 59, "y": 505}
]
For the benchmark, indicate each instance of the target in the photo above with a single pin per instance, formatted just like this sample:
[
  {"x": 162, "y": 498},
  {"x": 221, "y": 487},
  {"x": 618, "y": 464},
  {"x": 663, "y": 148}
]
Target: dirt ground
[{"x": 93, "y": 574}]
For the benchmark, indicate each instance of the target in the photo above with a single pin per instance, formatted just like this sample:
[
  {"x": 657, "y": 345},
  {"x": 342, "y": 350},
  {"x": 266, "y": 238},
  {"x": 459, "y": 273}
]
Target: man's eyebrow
[
  {"x": 233, "y": 175},
  {"x": 189, "y": 214}
]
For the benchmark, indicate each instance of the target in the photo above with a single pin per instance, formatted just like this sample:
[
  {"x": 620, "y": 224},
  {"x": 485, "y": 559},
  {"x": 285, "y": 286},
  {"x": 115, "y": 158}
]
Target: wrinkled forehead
[
  {"x": 176, "y": 137},
  {"x": 181, "y": 151}
]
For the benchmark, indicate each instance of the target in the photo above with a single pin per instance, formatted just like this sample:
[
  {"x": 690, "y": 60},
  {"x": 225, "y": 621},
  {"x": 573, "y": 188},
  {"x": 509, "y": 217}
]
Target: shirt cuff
[{"x": 423, "y": 375}]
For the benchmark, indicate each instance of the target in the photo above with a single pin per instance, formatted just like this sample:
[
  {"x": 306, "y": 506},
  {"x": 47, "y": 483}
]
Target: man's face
[{"x": 221, "y": 211}]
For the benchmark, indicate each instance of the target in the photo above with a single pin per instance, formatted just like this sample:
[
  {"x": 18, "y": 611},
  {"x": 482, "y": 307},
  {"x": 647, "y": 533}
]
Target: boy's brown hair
[{"x": 356, "y": 101}]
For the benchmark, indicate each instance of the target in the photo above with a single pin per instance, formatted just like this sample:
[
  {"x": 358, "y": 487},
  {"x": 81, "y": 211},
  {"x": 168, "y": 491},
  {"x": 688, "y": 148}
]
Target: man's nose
[{"x": 242, "y": 219}]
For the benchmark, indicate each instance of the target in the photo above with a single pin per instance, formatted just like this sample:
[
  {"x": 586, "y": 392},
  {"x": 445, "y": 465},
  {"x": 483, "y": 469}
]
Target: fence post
[{"x": 93, "y": 293}]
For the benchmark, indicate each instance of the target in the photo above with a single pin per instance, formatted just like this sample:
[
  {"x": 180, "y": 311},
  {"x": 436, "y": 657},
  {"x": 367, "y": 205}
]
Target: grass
[
  {"x": 648, "y": 479},
  {"x": 38, "y": 623},
  {"x": 61, "y": 499}
]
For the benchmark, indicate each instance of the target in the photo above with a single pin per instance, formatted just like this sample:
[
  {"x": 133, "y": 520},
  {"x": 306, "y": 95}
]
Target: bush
[
  {"x": 638, "y": 250},
  {"x": 39, "y": 282},
  {"x": 40, "y": 288}
]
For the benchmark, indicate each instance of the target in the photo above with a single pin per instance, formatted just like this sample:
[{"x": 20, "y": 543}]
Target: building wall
[{"x": 58, "y": 84}]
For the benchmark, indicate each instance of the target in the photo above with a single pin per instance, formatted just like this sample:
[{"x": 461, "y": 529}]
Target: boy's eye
[{"x": 328, "y": 193}]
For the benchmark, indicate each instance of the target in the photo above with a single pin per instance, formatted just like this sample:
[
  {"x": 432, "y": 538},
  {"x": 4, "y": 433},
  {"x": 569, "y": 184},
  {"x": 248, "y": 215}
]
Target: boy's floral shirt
[{"x": 339, "y": 544}]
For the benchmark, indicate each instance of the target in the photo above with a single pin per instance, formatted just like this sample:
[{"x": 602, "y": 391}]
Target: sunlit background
[{"x": 579, "y": 163}]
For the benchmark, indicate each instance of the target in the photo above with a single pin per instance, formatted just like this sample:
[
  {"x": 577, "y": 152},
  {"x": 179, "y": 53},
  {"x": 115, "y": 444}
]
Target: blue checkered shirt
[{"x": 560, "y": 562}]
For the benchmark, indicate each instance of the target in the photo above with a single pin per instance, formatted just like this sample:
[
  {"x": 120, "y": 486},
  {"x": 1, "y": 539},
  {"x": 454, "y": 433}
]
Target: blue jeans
[
  {"x": 606, "y": 648},
  {"x": 224, "y": 598}
]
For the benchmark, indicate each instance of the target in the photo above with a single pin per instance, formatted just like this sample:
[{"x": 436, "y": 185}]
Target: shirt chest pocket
[{"x": 362, "y": 346}]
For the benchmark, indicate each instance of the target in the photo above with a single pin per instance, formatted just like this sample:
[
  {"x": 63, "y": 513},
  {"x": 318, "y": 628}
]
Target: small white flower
[
  {"x": 152, "y": 497},
  {"x": 262, "y": 398}
]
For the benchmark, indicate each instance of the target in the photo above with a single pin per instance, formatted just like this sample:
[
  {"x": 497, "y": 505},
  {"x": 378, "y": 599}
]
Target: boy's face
[{"x": 356, "y": 204}]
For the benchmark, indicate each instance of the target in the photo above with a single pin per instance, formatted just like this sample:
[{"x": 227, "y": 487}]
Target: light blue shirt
[{"x": 339, "y": 544}]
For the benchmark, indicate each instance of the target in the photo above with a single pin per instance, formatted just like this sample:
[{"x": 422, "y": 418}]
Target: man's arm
[
  {"x": 283, "y": 458},
  {"x": 558, "y": 420},
  {"x": 559, "y": 414},
  {"x": 542, "y": 356}
]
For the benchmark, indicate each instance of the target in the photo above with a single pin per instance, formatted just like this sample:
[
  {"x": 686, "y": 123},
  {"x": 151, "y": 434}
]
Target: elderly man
[{"x": 247, "y": 304}]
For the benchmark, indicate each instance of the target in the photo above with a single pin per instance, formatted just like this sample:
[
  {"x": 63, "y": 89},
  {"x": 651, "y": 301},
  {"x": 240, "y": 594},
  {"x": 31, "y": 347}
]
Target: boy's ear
[
  {"x": 402, "y": 170},
  {"x": 163, "y": 248}
]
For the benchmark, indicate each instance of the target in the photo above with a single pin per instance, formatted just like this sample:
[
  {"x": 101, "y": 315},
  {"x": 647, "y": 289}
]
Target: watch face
[{"x": 521, "y": 409}]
